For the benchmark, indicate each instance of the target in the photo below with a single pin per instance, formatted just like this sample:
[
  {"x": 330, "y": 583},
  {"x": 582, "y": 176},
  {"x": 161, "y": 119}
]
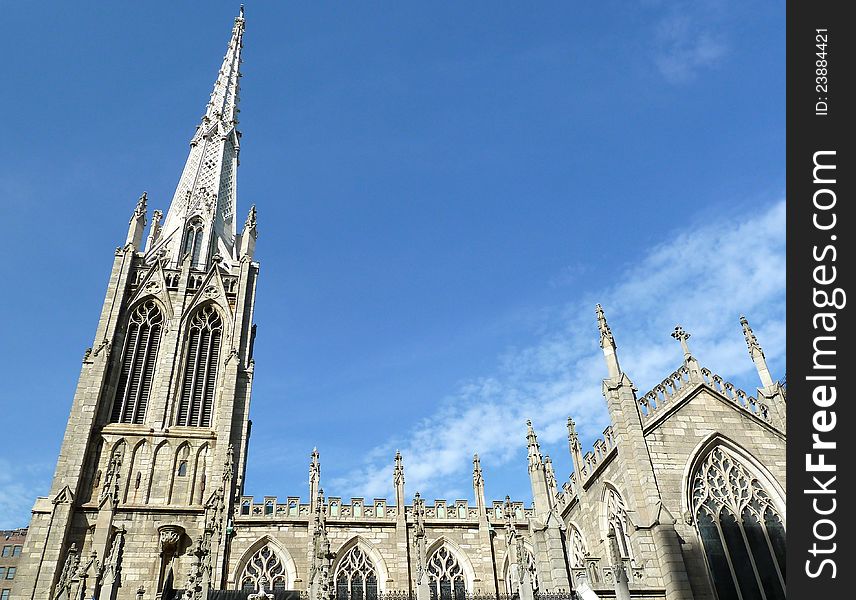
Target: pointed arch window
[
  {"x": 531, "y": 566},
  {"x": 139, "y": 356},
  {"x": 576, "y": 548},
  {"x": 201, "y": 358},
  {"x": 741, "y": 530},
  {"x": 356, "y": 577},
  {"x": 265, "y": 565},
  {"x": 193, "y": 240},
  {"x": 445, "y": 576},
  {"x": 616, "y": 520}
]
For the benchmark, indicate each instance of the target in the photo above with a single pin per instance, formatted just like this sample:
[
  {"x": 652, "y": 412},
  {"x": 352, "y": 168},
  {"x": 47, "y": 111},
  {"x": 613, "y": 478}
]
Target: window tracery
[
  {"x": 265, "y": 565},
  {"x": 531, "y": 567},
  {"x": 356, "y": 577},
  {"x": 202, "y": 356},
  {"x": 741, "y": 530},
  {"x": 139, "y": 356},
  {"x": 616, "y": 519},
  {"x": 446, "y": 577},
  {"x": 576, "y": 548}
]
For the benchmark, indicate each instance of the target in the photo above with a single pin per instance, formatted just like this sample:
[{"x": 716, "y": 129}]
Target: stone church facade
[{"x": 683, "y": 497}]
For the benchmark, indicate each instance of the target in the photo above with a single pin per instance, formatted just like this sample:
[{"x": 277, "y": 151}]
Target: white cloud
[
  {"x": 688, "y": 39},
  {"x": 702, "y": 277},
  {"x": 18, "y": 485}
]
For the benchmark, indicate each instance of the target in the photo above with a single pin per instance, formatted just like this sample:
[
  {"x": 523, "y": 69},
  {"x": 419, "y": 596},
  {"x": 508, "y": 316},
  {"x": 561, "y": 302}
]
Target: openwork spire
[{"x": 205, "y": 197}]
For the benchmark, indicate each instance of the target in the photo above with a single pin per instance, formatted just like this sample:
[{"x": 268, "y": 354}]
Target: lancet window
[
  {"x": 139, "y": 356},
  {"x": 202, "y": 356},
  {"x": 193, "y": 240},
  {"x": 445, "y": 576},
  {"x": 616, "y": 520},
  {"x": 356, "y": 577},
  {"x": 741, "y": 530},
  {"x": 265, "y": 565}
]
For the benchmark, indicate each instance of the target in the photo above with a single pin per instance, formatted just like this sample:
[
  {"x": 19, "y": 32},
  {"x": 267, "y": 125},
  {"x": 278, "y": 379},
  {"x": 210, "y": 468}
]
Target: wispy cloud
[
  {"x": 19, "y": 485},
  {"x": 689, "y": 38},
  {"x": 703, "y": 277}
]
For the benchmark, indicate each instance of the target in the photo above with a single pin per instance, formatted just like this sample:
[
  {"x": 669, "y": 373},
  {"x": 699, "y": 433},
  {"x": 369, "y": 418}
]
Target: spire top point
[{"x": 606, "y": 336}]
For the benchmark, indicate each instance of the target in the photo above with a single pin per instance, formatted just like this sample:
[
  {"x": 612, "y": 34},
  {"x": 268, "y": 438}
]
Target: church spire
[{"x": 201, "y": 218}]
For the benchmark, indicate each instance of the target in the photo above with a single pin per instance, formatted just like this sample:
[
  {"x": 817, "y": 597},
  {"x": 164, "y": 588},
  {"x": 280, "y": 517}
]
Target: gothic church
[{"x": 683, "y": 497}]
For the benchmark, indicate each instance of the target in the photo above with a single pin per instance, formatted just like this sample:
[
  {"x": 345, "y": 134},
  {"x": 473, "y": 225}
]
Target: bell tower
[{"x": 155, "y": 448}]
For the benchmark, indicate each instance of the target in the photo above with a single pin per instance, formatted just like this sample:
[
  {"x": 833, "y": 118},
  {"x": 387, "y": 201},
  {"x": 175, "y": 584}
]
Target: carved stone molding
[{"x": 169, "y": 537}]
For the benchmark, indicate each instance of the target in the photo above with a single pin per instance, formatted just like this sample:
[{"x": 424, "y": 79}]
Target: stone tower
[{"x": 155, "y": 447}]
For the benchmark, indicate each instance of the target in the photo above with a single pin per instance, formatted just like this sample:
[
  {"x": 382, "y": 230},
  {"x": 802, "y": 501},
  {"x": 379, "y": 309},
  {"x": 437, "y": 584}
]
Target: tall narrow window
[
  {"x": 193, "y": 240},
  {"x": 138, "y": 364},
  {"x": 202, "y": 354},
  {"x": 741, "y": 530}
]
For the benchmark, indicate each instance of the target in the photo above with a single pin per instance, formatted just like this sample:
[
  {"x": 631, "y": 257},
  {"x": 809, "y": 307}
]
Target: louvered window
[
  {"x": 201, "y": 358},
  {"x": 193, "y": 240},
  {"x": 138, "y": 364}
]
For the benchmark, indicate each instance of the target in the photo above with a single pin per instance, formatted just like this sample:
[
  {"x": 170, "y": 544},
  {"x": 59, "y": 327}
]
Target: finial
[
  {"x": 241, "y": 12},
  {"x": 572, "y": 428},
  {"x": 140, "y": 209},
  {"x": 751, "y": 341},
  {"x": 603, "y": 327},
  {"x": 756, "y": 354},
  {"x": 682, "y": 336},
  {"x": 250, "y": 223},
  {"x": 607, "y": 344}
]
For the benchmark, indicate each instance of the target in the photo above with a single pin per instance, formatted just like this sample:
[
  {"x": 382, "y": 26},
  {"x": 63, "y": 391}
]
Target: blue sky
[{"x": 444, "y": 192}]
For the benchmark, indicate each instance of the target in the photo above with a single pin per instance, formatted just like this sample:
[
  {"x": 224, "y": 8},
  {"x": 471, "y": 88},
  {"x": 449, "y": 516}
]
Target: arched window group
[
  {"x": 138, "y": 363},
  {"x": 202, "y": 356},
  {"x": 445, "y": 576},
  {"x": 742, "y": 532},
  {"x": 355, "y": 576},
  {"x": 616, "y": 520},
  {"x": 265, "y": 565},
  {"x": 193, "y": 240}
]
